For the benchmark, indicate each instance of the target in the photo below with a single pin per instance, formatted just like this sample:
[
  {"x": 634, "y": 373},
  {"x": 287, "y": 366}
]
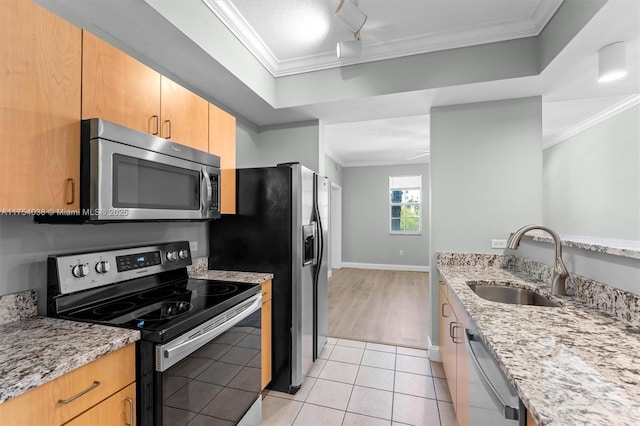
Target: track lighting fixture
[
  {"x": 348, "y": 12},
  {"x": 612, "y": 62}
]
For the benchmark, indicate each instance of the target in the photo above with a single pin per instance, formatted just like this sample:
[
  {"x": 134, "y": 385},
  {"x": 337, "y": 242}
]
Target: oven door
[
  {"x": 130, "y": 183},
  {"x": 212, "y": 374}
]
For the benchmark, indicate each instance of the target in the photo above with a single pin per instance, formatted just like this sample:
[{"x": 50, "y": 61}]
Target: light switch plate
[
  {"x": 193, "y": 246},
  {"x": 498, "y": 244}
]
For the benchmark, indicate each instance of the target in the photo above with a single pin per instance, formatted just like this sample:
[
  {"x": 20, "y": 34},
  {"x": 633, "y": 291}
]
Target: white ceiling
[
  {"x": 290, "y": 37},
  {"x": 299, "y": 35}
]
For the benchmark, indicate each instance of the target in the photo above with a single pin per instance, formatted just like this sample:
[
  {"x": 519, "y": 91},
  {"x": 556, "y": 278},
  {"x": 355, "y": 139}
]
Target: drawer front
[
  {"x": 118, "y": 409},
  {"x": 266, "y": 291},
  {"x": 67, "y": 396}
]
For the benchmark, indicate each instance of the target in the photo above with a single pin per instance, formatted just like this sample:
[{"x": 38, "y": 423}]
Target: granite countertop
[
  {"x": 36, "y": 350},
  {"x": 570, "y": 364},
  {"x": 199, "y": 269}
]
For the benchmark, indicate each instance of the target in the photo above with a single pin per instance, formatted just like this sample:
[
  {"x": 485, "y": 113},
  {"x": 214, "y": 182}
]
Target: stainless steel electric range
[{"x": 198, "y": 359}]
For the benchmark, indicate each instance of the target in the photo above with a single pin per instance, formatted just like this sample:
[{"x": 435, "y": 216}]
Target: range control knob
[
  {"x": 80, "y": 270},
  {"x": 103, "y": 267},
  {"x": 183, "y": 253},
  {"x": 172, "y": 256}
]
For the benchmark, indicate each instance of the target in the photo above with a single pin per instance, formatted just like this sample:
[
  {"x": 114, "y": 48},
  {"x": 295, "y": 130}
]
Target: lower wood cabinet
[
  {"x": 266, "y": 333},
  {"x": 118, "y": 409},
  {"x": 453, "y": 351},
  {"x": 77, "y": 397}
]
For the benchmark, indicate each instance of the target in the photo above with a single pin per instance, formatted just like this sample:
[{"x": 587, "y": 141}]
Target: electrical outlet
[
  {"x": 498, "y": 244},
  {"x": 193, "y": 246},
  {"x": 401, "y": 252}
]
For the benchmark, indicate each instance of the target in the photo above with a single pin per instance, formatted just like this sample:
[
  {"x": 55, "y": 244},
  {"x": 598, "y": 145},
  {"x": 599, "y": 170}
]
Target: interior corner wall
[
  {"x": 592, "y": 180},
  {"x": 296, "y": 142},
  {"x": 247, "y": 144},
  {"x": 333, "y": 170},
  {"x": 486, "y": 178},
  {"x": 365, "y": 219}
]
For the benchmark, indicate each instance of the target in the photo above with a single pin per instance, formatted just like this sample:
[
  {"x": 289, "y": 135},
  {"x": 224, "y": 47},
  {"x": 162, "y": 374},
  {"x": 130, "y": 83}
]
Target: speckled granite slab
[
  {"x": 36, "y": 350},
  {"x": 615, "y": 247},
  {"x": 199, "y": 266},
  {"x": 17, "y": 306},
  {"x": 570, "y": 365}
]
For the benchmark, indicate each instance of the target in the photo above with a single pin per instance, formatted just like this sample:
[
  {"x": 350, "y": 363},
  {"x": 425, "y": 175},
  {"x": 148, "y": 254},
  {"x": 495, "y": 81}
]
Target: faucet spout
[{"x": 560, "y": 272}]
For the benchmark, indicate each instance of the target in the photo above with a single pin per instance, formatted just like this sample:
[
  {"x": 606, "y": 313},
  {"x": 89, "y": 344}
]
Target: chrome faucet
[{"x": 560, "y": 272}]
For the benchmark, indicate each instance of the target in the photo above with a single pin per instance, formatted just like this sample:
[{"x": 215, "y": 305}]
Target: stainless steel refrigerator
[{"x": 281, "y": 226}]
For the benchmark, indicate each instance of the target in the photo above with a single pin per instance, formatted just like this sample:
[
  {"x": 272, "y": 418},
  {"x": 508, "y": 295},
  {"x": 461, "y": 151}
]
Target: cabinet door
[
  {"x": 462, "y": 363},
  {"x": 118, "y": 409},
  {"x": 222, "y": 142},
  {"x": 266, "y": 333},
  {"x": 40, "y": 65},
  {"x": 118, "y": 88},
  {"x": 447, "y": 344},
  {"x": 185, "y": 116}
]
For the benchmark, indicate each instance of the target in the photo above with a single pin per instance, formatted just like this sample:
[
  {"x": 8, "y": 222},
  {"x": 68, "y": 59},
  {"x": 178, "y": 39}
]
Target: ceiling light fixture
[
  {"x": 349, "y": 48},
  {"x": 348, "y": 12},
  {"x": 612, "y": 62}
]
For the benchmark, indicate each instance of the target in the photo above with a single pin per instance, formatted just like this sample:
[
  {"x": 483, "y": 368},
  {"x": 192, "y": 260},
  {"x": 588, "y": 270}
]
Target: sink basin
[{"x": 511, "y": 295}]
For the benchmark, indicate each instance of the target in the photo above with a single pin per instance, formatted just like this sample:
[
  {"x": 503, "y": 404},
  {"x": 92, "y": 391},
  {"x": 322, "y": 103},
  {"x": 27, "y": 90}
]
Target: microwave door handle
[{"x": 207, "y": 185}]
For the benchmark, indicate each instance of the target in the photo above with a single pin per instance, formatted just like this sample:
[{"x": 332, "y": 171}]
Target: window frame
[{"x": 392, "y": 204}]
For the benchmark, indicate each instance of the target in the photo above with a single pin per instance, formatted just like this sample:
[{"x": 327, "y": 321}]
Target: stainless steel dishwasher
[{"x": 492, "y": 400}]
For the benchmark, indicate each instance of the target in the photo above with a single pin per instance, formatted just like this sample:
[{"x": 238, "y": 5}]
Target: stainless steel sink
[{"x": 512, "y": 295}]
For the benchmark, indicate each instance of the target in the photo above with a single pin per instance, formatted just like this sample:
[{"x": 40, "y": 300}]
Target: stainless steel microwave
[{"x": 127, "y": 175}]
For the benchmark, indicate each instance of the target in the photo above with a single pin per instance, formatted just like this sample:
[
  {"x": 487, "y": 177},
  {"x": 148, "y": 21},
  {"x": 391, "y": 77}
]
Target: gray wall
[
  {"x": 25, "y": 245},
  {"x": 290, "y": 143},
  {"x": 333, "y": 170},
  {"x": 592, "y": 180},
  {"x": 365, "y": 218},
  {"x": 247, "y": 144},
  {"x": 486, "y": 177}
]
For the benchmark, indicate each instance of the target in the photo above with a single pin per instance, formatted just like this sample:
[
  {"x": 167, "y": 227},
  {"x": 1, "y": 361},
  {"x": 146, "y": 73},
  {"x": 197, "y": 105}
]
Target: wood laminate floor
[{"x": 388, "y": 307}]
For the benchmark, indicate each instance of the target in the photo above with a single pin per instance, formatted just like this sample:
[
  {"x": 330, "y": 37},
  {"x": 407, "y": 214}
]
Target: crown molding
[
  {"x": 239, "y": 27},
  {"x": 623, "y": 105},
  {"x": 444, "y": 40}
]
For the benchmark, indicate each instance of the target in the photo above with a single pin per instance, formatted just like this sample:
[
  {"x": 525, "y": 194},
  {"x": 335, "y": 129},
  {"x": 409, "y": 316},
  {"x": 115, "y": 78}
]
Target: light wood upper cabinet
[
  {"x": 118, "y": 88},
  {"x": 222, "y": 142},
  {"x": 185, "y": 116},
  {"x": 40, "y": 66}
]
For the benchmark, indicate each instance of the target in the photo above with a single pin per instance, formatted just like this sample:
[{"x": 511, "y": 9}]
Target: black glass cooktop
[{"x": 165, "y": 311}]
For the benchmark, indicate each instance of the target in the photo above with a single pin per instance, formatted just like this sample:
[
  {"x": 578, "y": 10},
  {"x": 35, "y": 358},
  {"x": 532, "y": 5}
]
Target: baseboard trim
[
  {"x": 382, "y": 266},
  {"x": 434, "y": 351}
]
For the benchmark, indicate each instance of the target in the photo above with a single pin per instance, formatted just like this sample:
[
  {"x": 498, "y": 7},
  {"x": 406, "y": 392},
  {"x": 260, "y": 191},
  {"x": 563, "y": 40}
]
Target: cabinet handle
[
  {"x": 157, "y": 120},
  {"x": 131, "y": 415},
  {"x": 73, "y": 190},
  {"x": 452, "y": 331},
  {"x": 73, "y": 398},
  {"x": 442, "y": 311},
  {"x": 169, "y": 133}
]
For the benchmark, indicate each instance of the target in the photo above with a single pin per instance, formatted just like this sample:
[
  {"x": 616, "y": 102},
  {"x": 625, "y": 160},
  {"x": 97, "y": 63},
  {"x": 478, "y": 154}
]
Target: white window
[{"x": 405, "y": 201}]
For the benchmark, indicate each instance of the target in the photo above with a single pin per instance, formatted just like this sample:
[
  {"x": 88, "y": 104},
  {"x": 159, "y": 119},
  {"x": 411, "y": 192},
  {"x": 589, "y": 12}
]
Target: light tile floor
[{"x": 358, "y": 383}]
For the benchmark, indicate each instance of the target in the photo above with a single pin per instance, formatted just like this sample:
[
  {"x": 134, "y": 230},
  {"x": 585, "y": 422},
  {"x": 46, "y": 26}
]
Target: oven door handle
[{"x": 173, "y": 354}]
